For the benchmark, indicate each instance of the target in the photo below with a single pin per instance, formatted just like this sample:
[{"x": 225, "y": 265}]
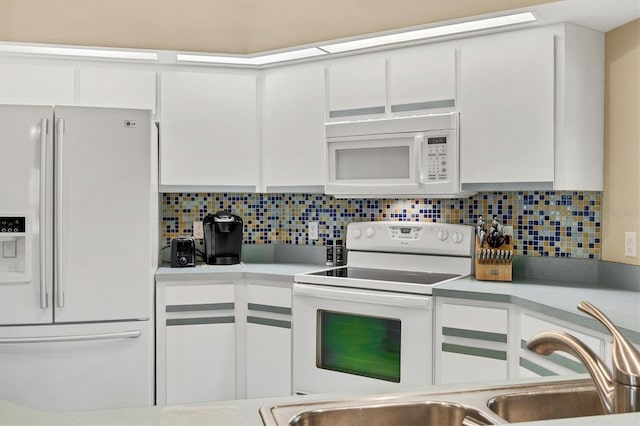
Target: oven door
[{"x": 348, "y": 339}]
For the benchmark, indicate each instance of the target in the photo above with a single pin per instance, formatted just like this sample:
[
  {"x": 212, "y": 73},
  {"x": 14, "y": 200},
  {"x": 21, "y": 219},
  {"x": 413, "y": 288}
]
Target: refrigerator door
[
  {"x": 26, "y": 196},
  {"x": 77, "y": 366},
  {"x": 103, "y": 262}
]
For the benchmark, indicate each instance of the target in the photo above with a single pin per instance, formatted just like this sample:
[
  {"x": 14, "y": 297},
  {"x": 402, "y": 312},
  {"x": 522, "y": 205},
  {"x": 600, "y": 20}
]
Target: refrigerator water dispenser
[{"x": 15, "y": 250}]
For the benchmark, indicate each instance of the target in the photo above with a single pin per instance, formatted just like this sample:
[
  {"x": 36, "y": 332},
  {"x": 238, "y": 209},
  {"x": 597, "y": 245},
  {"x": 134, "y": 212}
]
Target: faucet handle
[{"x": 626, "y": 358}]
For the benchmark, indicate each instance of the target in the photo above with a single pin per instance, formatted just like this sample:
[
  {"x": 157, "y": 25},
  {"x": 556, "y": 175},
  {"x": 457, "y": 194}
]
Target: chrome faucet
[{"x": 619, "y": 391}]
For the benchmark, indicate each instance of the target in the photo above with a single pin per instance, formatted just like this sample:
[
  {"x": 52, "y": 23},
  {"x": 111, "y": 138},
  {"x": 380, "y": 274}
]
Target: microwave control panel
[{"x": 437, "y": 159}]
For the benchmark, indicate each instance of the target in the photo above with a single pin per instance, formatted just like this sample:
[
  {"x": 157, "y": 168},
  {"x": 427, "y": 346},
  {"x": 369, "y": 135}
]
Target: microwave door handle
[{"x": 420, "y": 162}]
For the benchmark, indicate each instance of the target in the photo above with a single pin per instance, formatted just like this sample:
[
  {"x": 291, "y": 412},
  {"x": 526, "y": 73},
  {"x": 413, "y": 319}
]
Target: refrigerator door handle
[
  {"x": 133, "y": 334},
  {"x": 44, "y": 130},
  {"x": 58, "y": 285}
]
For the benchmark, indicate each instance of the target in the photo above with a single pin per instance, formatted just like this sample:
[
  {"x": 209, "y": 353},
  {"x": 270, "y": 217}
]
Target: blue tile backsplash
[{"x": 546, "y": 223}]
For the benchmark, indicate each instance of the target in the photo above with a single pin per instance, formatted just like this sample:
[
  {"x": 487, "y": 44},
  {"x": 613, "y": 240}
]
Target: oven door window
[{"x": 361, "y": 345}]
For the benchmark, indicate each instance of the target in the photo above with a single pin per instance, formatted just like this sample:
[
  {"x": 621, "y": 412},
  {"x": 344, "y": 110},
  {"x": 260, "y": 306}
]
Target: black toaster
[{"x": 183, "y": 252}]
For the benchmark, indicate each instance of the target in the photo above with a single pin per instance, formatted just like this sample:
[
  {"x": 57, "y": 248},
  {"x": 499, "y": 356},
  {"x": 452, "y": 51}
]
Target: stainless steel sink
[
  {"x": 546, "y": 405},
  {"x": 476, "y": 406},
  {"x": 406, "y": 414}
]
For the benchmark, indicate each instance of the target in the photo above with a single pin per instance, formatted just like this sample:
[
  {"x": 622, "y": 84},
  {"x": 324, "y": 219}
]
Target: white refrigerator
[{"x": 78, "y": 250}]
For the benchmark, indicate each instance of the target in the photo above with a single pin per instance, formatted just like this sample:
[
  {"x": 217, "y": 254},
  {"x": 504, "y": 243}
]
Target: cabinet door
[
  {"x": 269, "y": 363},
  {"x": 507, "y": 110},
  {"x": 293, "y": 144},
  {"x": 200, "y": 362},
  {"x": 471, "y": 342},
  {"x": 208, "y": 131},
  {"x": 196, "y": 358},
  {"x": 26, "y": 84},
  {"x": 117, "y": 88},
  {"x": 422, "y": 78},
  {"x": 357, "y": 87}
]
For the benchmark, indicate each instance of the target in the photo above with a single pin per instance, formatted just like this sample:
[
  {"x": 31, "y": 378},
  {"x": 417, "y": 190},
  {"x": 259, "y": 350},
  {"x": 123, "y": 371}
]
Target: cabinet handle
[{"x": 134, "y": 334}]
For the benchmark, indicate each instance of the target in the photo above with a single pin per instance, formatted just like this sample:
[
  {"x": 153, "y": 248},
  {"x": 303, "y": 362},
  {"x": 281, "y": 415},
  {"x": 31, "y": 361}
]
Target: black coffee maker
[{"x": 222, "y": 238}]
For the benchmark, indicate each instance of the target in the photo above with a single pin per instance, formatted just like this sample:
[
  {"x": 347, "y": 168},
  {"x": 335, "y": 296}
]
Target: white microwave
[{"x": 394, "y": 157}]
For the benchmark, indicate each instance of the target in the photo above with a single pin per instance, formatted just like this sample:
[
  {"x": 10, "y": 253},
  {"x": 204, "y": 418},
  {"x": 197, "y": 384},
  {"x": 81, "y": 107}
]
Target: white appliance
[
  {"x": 78, "y": 217},
  {"x": 369, "y": 325},
  {"x": 394, "y": 156}
]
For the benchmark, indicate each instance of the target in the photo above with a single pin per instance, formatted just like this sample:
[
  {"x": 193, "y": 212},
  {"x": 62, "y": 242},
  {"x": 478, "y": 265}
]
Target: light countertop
[
  {"x": 203, "y": 272},
  {"x": 246, "y": 412}
]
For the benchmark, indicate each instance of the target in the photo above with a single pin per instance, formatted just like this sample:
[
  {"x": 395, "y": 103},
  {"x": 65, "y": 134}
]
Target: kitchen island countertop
[{"x": 246, "y": 412}]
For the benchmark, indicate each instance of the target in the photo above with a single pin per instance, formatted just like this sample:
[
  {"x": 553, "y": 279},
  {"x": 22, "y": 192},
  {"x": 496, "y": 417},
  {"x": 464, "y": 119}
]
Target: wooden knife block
[{"x": 494, "y": 269}]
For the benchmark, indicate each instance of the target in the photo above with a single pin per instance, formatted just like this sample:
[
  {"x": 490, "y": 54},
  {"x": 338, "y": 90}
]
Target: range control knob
[
  {"x": 457, "y": 237},
  {"x": 442, "y": 234},
  {"x": 356, "y": 234},
  {"x": 369, "y": 232}
]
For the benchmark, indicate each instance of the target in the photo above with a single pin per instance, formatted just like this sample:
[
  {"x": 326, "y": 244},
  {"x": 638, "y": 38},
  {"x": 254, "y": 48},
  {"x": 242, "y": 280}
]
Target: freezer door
[
  {"x": 25, "y": 197},
  {"x": 103, "y": 263},
  {"x": 77, "y": 367}
]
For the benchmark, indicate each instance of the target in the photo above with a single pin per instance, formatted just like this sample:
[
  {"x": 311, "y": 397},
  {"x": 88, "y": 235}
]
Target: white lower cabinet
[
  {"x": 471, "y": 341},
  {"x": 268, "y": 341},
  {"x": 222, "y": 340},
  {"x": 195, "y": 342},
  {"x": 478, "y": 340}
]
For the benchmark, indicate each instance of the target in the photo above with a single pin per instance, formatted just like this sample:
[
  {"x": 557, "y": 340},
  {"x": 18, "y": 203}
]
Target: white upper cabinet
[
  {"x": 507, "y": 109},
  {"x": 532, "y": 110},
  {"x": 357, "y": 87},
  {"x": 293, "y": 138},
  {"x": 422, "y": 78},
  {"x": 579, "y": 110},
  {"x": 37, "y": 84},
  {"x": 416, "y": 80},
  {"x": 117, "y": 87},
  {"x": 208, "y": 132}
]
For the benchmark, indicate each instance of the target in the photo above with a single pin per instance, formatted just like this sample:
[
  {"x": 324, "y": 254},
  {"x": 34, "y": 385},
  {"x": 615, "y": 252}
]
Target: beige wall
[
  {"x": 223, "y": 26},
  {"x": 621, "y": 198}
]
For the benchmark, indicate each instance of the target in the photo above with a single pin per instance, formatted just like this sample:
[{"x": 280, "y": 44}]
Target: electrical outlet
[
  {"x": 507, "y": 230},
  {"x": 630, "y": 244},
  {"x": 313, "y": 231},
  {"x": 198, "y": 230}
]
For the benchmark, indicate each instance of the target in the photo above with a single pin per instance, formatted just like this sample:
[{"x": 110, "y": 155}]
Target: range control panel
[
  {"x": 12, "y": 224},
  {"x": 411, "y": 237}
]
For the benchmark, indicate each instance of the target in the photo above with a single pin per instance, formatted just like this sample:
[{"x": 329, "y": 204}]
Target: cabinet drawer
[
  {"x": 476, "y": 318},
  {"x": 530, "y": 326},
  {"x": 267, "y": 295},
  {"x": 199, "y": 294}
]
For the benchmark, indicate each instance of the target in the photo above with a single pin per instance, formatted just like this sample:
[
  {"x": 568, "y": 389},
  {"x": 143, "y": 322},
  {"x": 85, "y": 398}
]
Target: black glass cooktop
[{"x": 411, "y": 277}]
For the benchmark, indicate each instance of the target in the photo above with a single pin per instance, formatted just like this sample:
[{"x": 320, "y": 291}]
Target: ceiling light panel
[
  {"x": 253, "y": 60},
  {"x": 71, "y": 51},
  {"x": 440, "y": 31}
]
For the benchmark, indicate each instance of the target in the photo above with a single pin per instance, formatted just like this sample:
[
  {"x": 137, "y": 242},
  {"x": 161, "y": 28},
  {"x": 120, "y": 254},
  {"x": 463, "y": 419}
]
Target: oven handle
[{"x": 364, "y": 296}]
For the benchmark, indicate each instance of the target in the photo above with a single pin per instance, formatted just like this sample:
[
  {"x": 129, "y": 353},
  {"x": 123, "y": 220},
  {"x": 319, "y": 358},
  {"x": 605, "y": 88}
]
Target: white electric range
[{"x": 369, "y": 325}]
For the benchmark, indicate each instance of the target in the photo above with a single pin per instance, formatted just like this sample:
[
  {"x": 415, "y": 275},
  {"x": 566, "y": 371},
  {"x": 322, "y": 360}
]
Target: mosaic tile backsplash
[{"x": 546, "y": 223}]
